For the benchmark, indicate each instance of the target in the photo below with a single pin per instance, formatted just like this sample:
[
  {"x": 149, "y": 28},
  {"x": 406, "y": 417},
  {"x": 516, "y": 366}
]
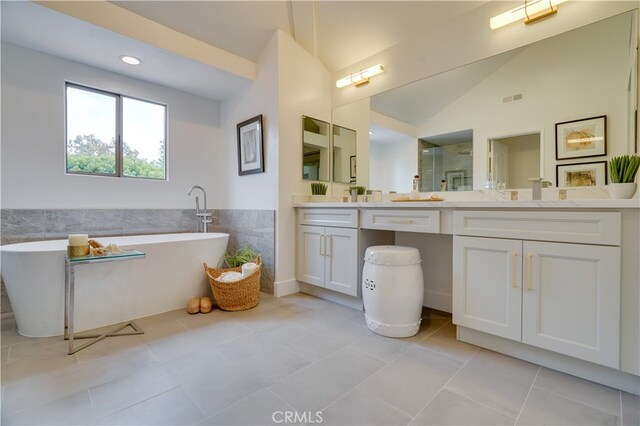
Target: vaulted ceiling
[{"x": 339, "y": 33}]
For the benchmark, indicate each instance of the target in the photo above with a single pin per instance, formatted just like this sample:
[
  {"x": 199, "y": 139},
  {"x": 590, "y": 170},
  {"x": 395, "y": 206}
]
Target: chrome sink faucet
[
  {"x": 203, "y": 217},
  {"x": 537, "y": 184}
]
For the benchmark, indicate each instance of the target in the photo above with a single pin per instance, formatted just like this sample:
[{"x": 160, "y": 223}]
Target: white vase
[{"x": 619, "y": 191}]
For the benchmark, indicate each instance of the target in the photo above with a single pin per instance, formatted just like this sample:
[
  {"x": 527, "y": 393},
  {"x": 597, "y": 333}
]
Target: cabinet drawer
[
  {"x": 572, "y": 227},
  {"x": 402, "y": 220},
  {"x": 343, "y": 218}
]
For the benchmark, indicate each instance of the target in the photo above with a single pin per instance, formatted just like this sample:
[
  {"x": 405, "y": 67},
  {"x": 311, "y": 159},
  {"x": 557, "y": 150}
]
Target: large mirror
[
  {"x": 344, "y": 155},
  {"x": 315, "y": 149},
  {"x": 495, "y": 119}
]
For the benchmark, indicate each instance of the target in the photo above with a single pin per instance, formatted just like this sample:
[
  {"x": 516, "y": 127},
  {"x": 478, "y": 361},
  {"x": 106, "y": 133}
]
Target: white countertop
[
  {"x": 593, "y": 197},
  {"x": 491, "y": 204}
]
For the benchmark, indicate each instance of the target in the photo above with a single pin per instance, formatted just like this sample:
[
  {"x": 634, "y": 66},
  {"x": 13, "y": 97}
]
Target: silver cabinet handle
[
  {"x": 322, "y": 243},
  {"x": 529, "y": 256},
  {"x": 401, "y": 221},
  {"x": 514, "y": 278},
  {"x": 330, "y": 251}
]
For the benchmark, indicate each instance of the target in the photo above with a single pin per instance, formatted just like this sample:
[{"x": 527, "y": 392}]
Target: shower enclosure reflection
[{"x": 446, "y": 158}]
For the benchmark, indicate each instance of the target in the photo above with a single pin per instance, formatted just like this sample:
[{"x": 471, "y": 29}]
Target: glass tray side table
[{"x": 69, "y": 303}]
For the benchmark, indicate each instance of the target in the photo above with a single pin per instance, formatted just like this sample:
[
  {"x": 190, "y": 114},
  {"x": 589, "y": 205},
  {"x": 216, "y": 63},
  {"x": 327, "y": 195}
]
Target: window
[{"x": 108, "y": 134}]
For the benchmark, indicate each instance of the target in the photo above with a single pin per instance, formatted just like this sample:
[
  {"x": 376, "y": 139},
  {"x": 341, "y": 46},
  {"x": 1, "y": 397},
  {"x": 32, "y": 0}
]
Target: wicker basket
[{"x": 239, "y": 295}]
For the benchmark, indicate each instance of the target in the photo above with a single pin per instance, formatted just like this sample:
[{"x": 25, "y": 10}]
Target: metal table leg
[{"x": 69, "y": 303}]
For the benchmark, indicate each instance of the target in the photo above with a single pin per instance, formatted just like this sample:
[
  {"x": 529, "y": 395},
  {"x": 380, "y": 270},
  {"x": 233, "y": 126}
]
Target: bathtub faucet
[{"x": 203, "y": 217}]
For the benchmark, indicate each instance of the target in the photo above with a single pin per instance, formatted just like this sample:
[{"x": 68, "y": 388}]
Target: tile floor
[{"x": 297, "y": 354}]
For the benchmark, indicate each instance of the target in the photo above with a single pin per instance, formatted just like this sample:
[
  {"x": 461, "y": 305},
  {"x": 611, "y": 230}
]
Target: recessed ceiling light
[{"x": 131, "y": 60}]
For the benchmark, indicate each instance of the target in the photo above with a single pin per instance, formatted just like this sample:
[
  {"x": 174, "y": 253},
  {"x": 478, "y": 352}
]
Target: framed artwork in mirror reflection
[
  {"x": 250, "y": 146},
  {"x": 581, "y": 138},
  {"x": 352, "y": 167}
]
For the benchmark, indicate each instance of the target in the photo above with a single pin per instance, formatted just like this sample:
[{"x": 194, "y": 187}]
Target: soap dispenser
[{"x": 415, "y": 194}]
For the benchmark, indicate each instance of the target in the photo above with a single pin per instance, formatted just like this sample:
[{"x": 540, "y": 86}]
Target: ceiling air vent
[{"x": 513, "y": 98}]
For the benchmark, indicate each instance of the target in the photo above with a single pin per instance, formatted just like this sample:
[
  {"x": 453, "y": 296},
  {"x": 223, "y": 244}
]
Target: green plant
[
  {"x": 623, "y": 169},
  {"x": 245, "y": 254},
  {"x": 360, "y": 190},
  {"x": 318, "y": 188}
]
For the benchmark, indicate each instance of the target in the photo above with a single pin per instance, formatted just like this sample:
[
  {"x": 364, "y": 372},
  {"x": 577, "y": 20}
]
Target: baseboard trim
[
  {"x": 437, "y": 300},
  {"x": 285, "y": 288},
  {"x": 332, "y": 296},
  {"x": 566, "y": 364}
]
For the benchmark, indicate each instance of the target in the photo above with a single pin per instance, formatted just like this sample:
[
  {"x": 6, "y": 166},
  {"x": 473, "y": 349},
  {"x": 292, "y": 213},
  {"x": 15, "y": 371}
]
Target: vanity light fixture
[
  {"x": 530, "y": 11},
  {"x": 361, "y": 77},
  {"x": 131, "y": 60}
]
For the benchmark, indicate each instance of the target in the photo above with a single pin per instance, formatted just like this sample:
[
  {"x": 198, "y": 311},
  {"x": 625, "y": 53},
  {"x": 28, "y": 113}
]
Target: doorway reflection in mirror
[
  {"x": 513, "y": 159},
  {"x": 315, "y": 149}
]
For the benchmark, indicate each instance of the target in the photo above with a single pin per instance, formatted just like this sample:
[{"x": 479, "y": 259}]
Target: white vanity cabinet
[
  {"x": 560, "y": 296},
  {"x": 327, "y": 256},
  {"x": 487, "y": 284}
]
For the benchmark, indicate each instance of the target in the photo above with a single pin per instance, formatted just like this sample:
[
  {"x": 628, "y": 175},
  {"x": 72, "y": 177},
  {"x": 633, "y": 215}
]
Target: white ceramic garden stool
[{"x": 392, "y": 290}]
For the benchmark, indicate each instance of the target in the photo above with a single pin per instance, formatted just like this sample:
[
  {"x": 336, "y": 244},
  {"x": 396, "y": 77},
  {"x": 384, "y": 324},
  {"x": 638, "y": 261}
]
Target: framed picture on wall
[
  {"x": 581, "y": 174},
  {"x": 250, "y": 146},
  {"x": 352, "y": 167},
  {"x": 581, "y": 138}
]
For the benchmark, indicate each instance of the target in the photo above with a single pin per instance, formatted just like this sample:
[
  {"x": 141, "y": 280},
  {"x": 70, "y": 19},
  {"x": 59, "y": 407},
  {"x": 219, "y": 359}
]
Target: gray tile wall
[
  {"x": 256, "y": 227},
  {"x": 34, "y": 225}
]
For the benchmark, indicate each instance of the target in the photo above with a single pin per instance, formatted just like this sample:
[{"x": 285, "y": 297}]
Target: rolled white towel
[
  {"x": 230, "y": 277},
  {"x": 248, "y": 268}
]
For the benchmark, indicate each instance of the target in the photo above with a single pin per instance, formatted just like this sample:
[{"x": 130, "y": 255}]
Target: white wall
[
  {"x": 356, "y": 116},
  {"x": 344, "y": 147},
  {"x": 562, "y": 92},
  {"x": 437, "y": 266},
  {"x": 304, "y": 90},
  {"x": 524, "y": 159},
  {"x": 376, "y": 166},
  {"x": 393, "y": 165},
  {"x": 403, "y": 165},
  {"x": 260, "y": 190},
  {"x": 33, "y": 146}
]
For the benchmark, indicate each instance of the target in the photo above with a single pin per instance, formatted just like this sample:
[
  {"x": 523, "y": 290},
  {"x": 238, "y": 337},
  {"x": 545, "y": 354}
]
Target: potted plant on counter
[
  {"x": 360, "y": 191},
  {"x": 318, "y": 191},
  {"x": 622, "y": 172}
]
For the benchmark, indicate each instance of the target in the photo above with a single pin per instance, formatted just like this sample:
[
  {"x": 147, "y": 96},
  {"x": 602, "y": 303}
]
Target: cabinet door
[
  {"x": 571, "y": 300},
  {"x": 309, "y": 257},
  {"x": 487, "y": 285},
  {"x": 341, "y": 260}
]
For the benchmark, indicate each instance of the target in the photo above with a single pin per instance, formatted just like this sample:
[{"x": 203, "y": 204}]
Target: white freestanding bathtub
[{"x": 110, "y": 292}]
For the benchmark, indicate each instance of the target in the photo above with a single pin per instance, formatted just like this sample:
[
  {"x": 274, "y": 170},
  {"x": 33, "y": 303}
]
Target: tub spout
[{"x": 203, "y": 217}]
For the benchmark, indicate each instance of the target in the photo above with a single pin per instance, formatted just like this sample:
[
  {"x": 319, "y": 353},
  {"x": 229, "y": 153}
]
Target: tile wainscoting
[{"x": 256, "y": 227}]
